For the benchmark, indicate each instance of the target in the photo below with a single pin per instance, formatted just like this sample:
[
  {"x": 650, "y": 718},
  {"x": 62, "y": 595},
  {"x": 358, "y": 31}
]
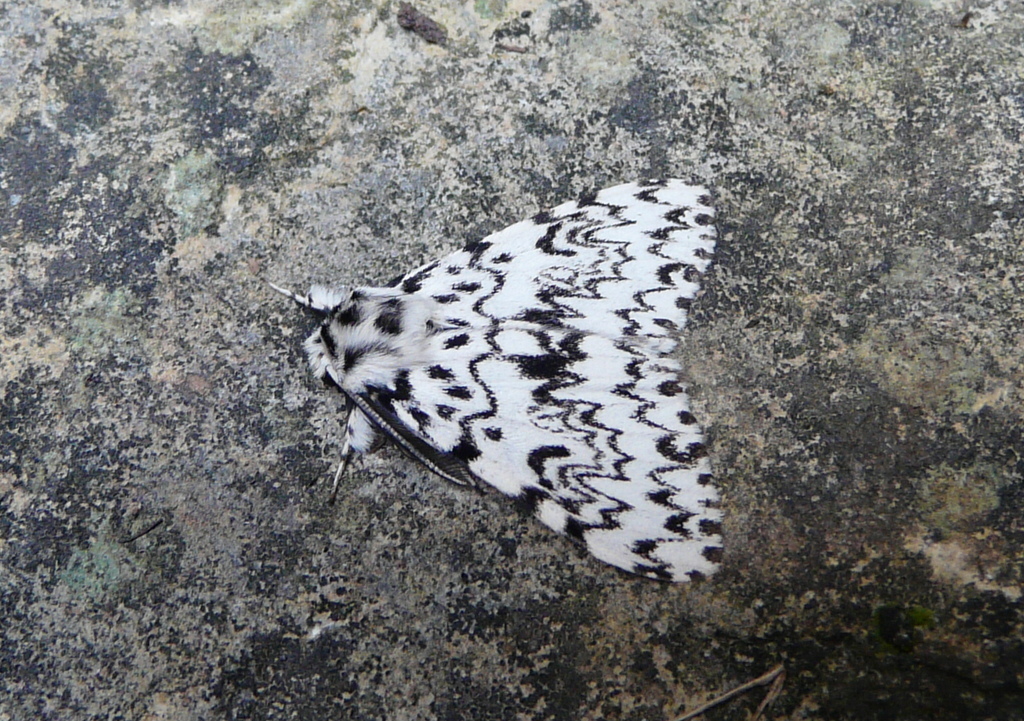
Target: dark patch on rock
[
  {"x": 81, "y": 73},
  {"x": 33, "y": 161},
  {"x": 286, "y": 663},
  {"x": 220, "y": 92},
  {"x": 577, "y": 17}
]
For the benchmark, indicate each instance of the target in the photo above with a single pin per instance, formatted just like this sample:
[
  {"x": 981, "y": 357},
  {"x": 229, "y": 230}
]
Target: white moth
[{"x": 539, "y": 361}]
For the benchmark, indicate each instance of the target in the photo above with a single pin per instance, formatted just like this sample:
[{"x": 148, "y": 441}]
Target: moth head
[
  {"x": 324, "y": 299},
  {"x": 367, "y": 337}
]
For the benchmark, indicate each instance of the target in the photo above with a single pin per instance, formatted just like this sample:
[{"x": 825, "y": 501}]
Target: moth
[{"x": 539, "y": 361}]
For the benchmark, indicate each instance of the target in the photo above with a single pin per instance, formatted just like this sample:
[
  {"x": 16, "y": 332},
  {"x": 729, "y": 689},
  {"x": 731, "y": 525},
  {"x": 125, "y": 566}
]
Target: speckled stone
[{"x": 167, "y": 552}]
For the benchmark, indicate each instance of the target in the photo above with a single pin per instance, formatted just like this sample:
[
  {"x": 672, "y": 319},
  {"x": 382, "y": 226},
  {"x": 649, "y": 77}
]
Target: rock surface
[{"x": 166, "y": 549}]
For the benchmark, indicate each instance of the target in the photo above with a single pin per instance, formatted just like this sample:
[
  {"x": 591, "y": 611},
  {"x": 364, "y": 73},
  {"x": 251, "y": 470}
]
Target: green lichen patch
[
  {"x": 193, "y": 189},
  {"x": 93, "y": 572},
  {"x": 898, "y": 629},
  {"x": 957, "y": 498},
  {"x": 104, "y": 322},
  {"x": 924, "y": 367},
  {"x": 489, "y": 9}
]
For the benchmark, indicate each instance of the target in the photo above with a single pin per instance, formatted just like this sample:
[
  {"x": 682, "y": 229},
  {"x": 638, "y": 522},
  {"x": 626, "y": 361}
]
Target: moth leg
[
  {"x": 360, "y": 437},
  {"x": 346, "y": 456}
]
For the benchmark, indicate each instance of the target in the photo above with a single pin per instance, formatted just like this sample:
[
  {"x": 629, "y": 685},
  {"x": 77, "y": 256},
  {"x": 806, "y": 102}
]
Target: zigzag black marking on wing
[
  {"x": 614, "y": 247},
  {"x": 563, "y": 379},
  {"x": 625, "y": 391},
  {"x": 466, "y": 423},
  {"x": 590, "y": 433},
  {"x": 476, "y": 251},
  {"x": 640, "y": 298},
  {"x": 614, "y": 434},
  {"x": 611, "y": 247},
  {"x": 583, "y": 237},
  {"x": 589, "y": 430}
]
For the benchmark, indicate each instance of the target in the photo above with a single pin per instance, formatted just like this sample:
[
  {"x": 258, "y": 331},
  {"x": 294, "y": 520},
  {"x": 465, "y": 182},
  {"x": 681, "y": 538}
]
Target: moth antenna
[{"x": 306, "y": 301}]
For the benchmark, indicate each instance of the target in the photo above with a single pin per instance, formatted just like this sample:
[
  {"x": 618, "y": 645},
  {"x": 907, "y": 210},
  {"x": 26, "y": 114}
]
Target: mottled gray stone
[{"x": 166, "y": 549}]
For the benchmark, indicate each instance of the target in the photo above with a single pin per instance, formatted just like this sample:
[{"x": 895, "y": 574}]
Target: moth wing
[
  {"x": 389, "y": 419},
  {"x": 546, "y": 374},
  {"x": 624, "y": 262},
  {"x": 593, "y": 434}
]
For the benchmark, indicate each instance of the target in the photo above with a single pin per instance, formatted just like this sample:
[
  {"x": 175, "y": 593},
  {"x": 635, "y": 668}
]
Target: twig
[
  {"x": 775, "y": 677},
  {"x": 143, "y": 532}
]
